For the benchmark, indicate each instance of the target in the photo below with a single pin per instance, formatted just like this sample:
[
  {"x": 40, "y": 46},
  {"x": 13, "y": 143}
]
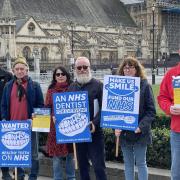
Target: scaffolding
[
  {"x": 168, "y": 3},
  {"x": 170, "y": 11}
]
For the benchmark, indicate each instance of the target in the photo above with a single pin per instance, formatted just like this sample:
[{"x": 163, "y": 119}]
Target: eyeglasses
[
  {"x": 82, "y": 67},
  {"x": 60, "y": 74},
  {"x": 125, "y": 68}
]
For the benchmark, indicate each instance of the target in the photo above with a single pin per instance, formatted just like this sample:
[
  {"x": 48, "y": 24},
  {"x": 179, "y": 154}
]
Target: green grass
[{"x": 156, "y": 92}]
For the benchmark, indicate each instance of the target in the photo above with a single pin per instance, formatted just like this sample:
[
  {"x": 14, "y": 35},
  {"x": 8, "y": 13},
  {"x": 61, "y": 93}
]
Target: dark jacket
[
  {"x": 34, "y": 98},
  {"x": 5, "y": 76},
  {"x": 147, "y": 113},
  {"x": 94, "y": 89}
]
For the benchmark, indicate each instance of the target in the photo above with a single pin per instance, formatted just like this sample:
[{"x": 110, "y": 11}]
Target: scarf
[
  {"x": 21, "y": 91},
  {"x": 61, "y": 87}
]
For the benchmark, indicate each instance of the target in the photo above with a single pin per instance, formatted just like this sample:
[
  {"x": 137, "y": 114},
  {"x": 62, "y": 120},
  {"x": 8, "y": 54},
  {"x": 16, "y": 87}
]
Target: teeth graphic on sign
[
  {"x": 73, "y": 125},
  {"x": 15, "y": 140}
]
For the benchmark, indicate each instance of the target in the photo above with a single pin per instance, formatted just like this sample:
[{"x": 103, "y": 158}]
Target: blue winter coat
[{"x": 34, "y": 98}]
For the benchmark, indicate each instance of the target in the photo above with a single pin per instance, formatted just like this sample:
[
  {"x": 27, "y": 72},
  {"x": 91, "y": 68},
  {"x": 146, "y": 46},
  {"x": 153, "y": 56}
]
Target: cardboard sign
[
  {"x": 71, "y": 110},
  {"x": 15, "y": 143},
  {"x": 176, "y": 86},
  {"x": 120, "y": 107},
  {"x": 41, "y": 121}
]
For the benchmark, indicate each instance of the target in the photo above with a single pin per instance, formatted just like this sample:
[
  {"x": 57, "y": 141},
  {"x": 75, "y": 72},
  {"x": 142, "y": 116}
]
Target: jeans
[
  {"x": 135, "y": 153},
  {"x": 58, "y": 167},
  {"x": 35, "y": 163},
  {"x": 175, "y": 154},
  {"x": 34, "y": 153},
  {"x": 5, "y": 173},
  {"x": 95, "y": 152}
]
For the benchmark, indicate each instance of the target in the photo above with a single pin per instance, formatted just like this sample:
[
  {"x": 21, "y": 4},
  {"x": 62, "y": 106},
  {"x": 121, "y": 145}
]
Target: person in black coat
[
  {"x": 90, "y": 150},
  {"x": 134, "y": 143},
  {"x": 5, "y": 76}
]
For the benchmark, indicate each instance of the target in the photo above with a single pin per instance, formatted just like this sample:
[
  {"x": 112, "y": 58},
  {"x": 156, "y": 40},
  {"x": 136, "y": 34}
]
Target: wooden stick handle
[
  {"x": 15, "y": 175},
  {"x": 75, "y": 156},
  {"x": 117, "y": 146}
]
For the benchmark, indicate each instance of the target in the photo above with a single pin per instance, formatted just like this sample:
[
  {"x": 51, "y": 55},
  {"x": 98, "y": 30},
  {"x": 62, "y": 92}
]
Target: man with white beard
[{"x": 90, "y": 150}]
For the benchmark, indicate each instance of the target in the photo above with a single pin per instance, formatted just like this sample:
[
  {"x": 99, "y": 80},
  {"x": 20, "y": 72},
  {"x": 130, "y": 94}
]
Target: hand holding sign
[
  {"x": 175, "y": 110},
  {"x": 92, "y": 127},
  {"x": 138, "y": 130},
  {"x": 54, "y": 119}
]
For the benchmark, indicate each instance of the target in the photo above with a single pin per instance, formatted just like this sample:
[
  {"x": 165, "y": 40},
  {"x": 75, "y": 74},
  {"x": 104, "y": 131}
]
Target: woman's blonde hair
[{"x": 130, "y": 61}]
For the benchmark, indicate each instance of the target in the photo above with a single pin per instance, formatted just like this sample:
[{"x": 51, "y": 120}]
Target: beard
[{"x": 83, "y": 78}]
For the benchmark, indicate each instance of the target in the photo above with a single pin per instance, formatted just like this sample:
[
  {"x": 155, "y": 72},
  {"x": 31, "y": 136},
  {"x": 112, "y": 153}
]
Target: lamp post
[
  {"x": 72, "y": 39},
  {"x": 72, "y": 49},
  {"x": 157, "y": 56},
  {"x": 8, "y": 61},
  {"x": 153, "y": 63}
]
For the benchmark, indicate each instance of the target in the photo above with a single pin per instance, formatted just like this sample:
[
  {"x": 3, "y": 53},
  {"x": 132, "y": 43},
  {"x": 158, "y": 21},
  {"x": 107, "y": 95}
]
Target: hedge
[
  {"x": 162, "y": 121},
  {"x": 158, "y": 153}
]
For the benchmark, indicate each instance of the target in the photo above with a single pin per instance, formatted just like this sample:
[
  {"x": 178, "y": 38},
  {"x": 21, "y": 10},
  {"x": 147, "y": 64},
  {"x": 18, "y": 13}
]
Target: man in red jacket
[{"x": 166, "y": 103}]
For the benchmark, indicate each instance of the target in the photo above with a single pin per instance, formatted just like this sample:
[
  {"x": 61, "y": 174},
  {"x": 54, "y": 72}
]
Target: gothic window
[
  {"x": 142, "y": 23},
  {"x": 44, "y": 54},
  {"x": 86, "y": 54},
  {"x": 27, "y": 52},
  {"x": 12, "y": 31},
  {"x": 7, "y": 30},
  {"x": 31, "y": 28}
]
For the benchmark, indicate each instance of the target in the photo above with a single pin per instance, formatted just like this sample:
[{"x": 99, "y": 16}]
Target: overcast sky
[
  {"x": 136, "y": 1},
  {"x": 131, "y": 1}
]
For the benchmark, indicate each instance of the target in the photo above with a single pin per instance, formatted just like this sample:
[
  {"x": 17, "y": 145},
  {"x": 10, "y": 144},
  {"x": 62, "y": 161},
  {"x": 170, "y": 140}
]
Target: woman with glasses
[
  {"x": 60, "y": 82},
  {"x": 134, "y": 144}
]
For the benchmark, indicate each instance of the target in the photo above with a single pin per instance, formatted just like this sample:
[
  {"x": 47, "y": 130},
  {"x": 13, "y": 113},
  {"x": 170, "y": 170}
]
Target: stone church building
[{"x": 57, "y": 31}]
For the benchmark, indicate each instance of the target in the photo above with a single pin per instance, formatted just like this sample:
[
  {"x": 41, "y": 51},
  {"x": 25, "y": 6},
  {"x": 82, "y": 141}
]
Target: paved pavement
[{"x": 39, "y": 178}]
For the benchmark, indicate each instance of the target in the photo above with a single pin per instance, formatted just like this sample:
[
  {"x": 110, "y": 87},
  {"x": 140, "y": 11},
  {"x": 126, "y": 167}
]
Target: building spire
[{"x": 7, "y": 11}]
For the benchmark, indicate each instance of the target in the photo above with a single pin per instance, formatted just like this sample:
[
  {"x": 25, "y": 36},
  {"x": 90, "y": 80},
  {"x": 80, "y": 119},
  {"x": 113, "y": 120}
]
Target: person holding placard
[
  {"x": 90, "y": 150},
  {"x": 20, "y": 96},
  {"x": 169, "y": 102},
  {"x": 134, "y": 144},
  {"x": 60, "y": 83}
]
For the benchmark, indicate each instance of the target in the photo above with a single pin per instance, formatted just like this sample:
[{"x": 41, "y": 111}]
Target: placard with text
[
  {"x": 176, "y": 87},
  {"x": 15, "y": 143},
  {"x": 41, "y": 121},
  {"x": 71, "y": 110},
  {"x": 120, "y": 107}
]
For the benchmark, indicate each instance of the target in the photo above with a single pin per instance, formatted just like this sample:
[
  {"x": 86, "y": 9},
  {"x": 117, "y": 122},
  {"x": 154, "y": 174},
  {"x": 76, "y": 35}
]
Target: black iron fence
[{"x": 96, "y": 63}]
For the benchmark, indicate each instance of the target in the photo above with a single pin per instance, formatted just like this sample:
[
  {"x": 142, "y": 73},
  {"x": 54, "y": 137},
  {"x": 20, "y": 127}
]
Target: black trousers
[{"x": 93, "y": 151}]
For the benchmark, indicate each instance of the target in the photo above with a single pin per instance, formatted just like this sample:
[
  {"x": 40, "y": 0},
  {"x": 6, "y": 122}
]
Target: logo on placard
[
  {"x": 15, "y": 140},
  {"x": 73, "y": 125},
  {"x": 129, "y": 119}
]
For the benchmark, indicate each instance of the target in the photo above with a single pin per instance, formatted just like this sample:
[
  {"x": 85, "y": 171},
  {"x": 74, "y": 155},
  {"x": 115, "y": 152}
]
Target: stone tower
[{"x": 7, "y": 31}]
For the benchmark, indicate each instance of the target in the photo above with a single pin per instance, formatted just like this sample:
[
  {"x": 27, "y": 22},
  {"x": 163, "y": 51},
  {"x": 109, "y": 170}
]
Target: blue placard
[
  {"x": 176, "y": 82},
  {"x": 15, "y": 143},
  {"x": 71, "y": 110},
  {"x": 120, "y": 107}
]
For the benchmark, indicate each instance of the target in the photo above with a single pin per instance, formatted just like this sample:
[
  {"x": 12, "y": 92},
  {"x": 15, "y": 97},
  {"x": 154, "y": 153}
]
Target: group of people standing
[{"x": 21, "y": 95}]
